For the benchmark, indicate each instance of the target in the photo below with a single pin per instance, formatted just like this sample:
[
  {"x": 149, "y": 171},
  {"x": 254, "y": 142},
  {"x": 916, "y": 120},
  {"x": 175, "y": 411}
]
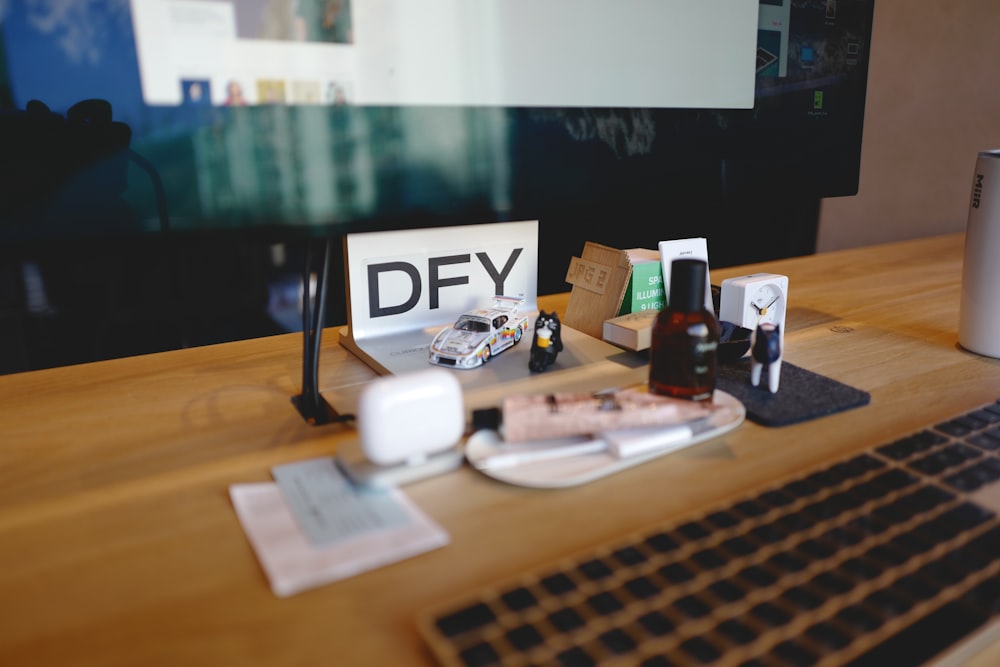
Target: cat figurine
[{"x": 547, "y": 341}]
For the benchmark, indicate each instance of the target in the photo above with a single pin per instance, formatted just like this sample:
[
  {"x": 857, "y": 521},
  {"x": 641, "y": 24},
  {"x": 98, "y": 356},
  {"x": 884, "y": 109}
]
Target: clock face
[
  {"x": 766, "y": 304},
  {"x": 754, "y": 299}
]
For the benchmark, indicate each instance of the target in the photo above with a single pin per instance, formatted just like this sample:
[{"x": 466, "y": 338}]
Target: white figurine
[{"x": 766, "y": 351}]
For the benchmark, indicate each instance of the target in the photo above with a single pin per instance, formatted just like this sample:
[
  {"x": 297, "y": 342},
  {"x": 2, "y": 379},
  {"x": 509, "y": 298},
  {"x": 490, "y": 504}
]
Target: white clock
[{"x": 755, "y": 299}]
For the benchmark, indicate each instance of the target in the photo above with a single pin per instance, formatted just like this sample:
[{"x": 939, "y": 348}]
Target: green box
[{"x": 645, "y": 288}]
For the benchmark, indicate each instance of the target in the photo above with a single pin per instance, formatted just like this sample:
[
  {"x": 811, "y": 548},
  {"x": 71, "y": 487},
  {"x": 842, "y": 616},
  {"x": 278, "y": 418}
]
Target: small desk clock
[{"x": 754, "y": 299}]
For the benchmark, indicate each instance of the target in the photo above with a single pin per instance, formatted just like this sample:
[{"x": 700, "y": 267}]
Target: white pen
[
  {"x": 620, "y": 443},
  {"x": 511, "y": 459}
]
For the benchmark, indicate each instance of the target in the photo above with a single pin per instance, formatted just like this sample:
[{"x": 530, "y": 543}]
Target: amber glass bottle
[{"x": 682, "y": 357}]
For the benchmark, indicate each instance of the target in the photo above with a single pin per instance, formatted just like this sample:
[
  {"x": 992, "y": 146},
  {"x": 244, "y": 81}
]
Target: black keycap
[
  {"x": 859, "y": 465},
  {"x": 944, "y": 573},
  {"x": 914, "y": 444},
  {"x": 701, "y": 650},
  {"x": 861, "y": 568},
  {"x": 802, "y": 597},
  {"x": 692, "y": 606},
  {"x": 566, "y": 619},
  {"x": 617, "y": 641},
  {"x": 629, "y": 556},
  {"x": 988, "y": 440},
  {"x": 739, "y": 546},
  {"x": 558, "y": 583},
  {"x": 641, "y": 588},
  {"x": 889, "y": 603},
  {"x": 750, "y": 508},
  {"x": 840, "y": 538},
  {"x": 770, "y": 614},
  {"x": 859, "y": 618},
  {"x": 722, "y": 519},
  {"x": 796, "y": 522},
  {"x": 575, "y": 657},
  {"x": 757, "y": 576},
  {"x": 518, "y": 599},
  {"x": 985, "y": 596},
  {"x": 960, "y": 426},
  {"x": 943, "y": 459},
  {"x": 524, "y": 637},
  {"x": 911, "y": 543},
  {"x": 794, "y": 653},
  {"x": 480, "y": 655},
  {"x": 801, "y": 488},
  {"x": 831, "y": 583},
  {"x": 604, "y": 603},
  {"x": 676, "y": 573},
  {"x": 656, "y": 623},
  {"x": 975, "y": 476},
  {"x": 656, "y": 661},
  {"x": 709, "y": 559},
  {"x": 814, "y": 549},
  {"x": 466, "y": 619},
  {"x": 595, "y": 569},
  {"x": 917, "y": 587},
  {"x": 662, "y": 542},
  {"x": 926, "y": 637},
  {"x": 867, "y": 526},
  {"x": 737, "y": 631},
  {"x": 776, "y": 498},
  {"x": 887, "y": 555},
  {"x": 727, "y": 591},
  {"x": 988, "y": 542},
  {"x": 786, "y": 562},
  {"x": 926, "y": 498},
  {"x": 693, "y": 531},
  {"x": 828, "y": 635},
  {"x": 769, "y": 533}
]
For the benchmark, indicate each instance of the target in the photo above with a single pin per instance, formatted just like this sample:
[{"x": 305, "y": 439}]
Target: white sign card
[
  {"x": 693, "y": 248},
  {"x": 405, "y": 285}
]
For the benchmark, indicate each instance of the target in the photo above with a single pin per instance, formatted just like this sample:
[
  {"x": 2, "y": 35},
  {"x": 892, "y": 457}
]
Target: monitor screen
[
  {"x": 333, "y": 116},
  {"x": 510, "y": 53},
  {"x": 345, "y": 129}
]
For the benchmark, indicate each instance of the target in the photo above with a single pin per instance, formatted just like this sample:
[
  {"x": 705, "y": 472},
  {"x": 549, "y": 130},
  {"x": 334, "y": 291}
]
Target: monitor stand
[{"x": 310, "y": 403}]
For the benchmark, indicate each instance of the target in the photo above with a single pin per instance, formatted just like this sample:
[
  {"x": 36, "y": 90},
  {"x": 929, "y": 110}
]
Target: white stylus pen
[
  {"x": 511, "y": 459},
  {"x": 622, "y": 444}
]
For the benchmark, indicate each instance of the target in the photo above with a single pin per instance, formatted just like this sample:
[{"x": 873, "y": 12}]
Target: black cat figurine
[
  {"x": 766, "y": 353},
  {"x": 547, "y": 341}
]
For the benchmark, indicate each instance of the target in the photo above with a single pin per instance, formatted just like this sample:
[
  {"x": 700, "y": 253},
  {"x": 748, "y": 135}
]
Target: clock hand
[{"x": 763, "y": 310}]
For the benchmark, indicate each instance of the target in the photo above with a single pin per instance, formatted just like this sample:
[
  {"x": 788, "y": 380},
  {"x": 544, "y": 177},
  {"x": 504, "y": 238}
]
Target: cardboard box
[
  {"x": 600, "y": 280},
  {"x": 633, "y": 331}
]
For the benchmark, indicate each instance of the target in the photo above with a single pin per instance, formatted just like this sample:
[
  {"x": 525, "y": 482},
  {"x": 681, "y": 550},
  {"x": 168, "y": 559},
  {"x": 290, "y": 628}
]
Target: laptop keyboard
[{"x": 888, "y": 557}]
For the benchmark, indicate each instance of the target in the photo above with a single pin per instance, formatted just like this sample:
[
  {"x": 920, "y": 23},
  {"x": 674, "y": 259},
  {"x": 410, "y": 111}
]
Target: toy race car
[{"x": 479, "y": 334}]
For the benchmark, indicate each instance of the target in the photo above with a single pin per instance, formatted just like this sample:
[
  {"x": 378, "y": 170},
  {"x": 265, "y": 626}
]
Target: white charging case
[{"x": 405, "y": 418}]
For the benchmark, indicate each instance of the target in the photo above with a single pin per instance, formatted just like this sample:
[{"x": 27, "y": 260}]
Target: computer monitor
[{"x": 599, "y": 159}]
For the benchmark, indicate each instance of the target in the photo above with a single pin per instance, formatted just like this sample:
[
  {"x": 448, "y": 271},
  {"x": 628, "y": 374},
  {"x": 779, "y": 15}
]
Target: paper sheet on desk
[{"x": 293, "y": 564}]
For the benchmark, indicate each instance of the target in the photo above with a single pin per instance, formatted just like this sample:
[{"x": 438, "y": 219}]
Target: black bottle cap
[
  {"x": 486, "y": 418},
  {"x": 687, "y": 285}
]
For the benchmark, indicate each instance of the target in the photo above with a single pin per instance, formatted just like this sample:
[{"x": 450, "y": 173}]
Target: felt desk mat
[{"x": 802, "y": 395}]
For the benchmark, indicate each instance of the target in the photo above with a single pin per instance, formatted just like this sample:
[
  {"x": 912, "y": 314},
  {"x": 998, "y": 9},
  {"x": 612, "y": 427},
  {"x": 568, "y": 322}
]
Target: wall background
[{"x": 933, "y": 103}]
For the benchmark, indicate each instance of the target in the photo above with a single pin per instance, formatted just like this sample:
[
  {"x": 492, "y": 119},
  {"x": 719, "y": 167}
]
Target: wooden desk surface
[{"x": 119, "y": 545}]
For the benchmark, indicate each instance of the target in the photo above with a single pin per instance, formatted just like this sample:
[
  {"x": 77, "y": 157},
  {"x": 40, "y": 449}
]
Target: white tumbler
[{"x": 979, "y": 310}]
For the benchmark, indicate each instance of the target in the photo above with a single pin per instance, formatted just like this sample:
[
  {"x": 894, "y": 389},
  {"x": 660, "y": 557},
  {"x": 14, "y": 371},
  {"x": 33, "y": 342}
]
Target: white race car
[{"x": 479, "y": 334}]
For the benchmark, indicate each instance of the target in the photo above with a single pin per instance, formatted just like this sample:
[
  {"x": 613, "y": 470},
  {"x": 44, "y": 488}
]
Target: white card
[
  {"x": 693, "y": 248},
  {"x": 329, "y": 508},
  {"x": 292, "y": 563}
]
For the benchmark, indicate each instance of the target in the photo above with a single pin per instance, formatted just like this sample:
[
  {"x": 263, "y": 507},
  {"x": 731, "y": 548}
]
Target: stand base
[
  {"x": 360, "y": 470},
  {"x": 316, "y": 410}
]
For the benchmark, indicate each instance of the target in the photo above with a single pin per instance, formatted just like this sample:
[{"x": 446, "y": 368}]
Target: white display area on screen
[{"x": 594, "y": 53}]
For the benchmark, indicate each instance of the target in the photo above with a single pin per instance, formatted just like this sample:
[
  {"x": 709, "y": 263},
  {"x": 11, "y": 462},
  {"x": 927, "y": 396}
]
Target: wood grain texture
[{"x": 119, "y": 546}]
